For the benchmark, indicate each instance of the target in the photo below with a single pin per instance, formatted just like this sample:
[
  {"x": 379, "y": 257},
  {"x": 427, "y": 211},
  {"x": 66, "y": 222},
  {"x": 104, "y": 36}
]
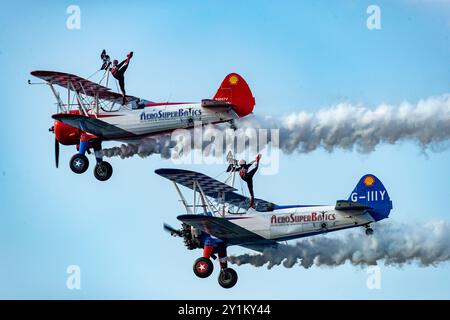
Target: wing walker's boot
[{"x": 252, "y": 203}]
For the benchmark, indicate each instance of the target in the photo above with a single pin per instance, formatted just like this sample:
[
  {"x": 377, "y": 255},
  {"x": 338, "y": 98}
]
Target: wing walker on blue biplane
[{"x": 219, "y": 217}]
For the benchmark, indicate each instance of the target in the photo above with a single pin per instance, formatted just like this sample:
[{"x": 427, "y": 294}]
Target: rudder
[
  {"x": 371, "y": 192},
  {"x": 235, "y": 90}
]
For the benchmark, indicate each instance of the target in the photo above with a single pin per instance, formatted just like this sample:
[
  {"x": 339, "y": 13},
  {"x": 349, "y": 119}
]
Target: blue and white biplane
[{"x": 219, "y": 217}]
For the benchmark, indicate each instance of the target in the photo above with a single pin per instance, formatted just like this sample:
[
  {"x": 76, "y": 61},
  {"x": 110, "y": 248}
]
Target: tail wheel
[
  {"x": 369, "y": 231},
  {"x": 79, "y": 163},
  {"x": 227, "y": 278},
  {"x": 203, "y": 267},
  {"x": 103, "y": 171}
]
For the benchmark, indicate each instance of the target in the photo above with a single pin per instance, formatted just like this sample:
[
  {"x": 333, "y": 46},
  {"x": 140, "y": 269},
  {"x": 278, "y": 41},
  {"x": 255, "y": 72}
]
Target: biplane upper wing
[
  {"x": 92, "y": 125},
  {"x": 81, "y": 85},
  {"x": 227, "y": 231},
  {"x": 212, "y": 188}
]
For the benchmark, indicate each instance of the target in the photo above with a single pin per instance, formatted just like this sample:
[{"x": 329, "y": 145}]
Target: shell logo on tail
[
  {"x": 369, "y": 181},
  {"x": 233, "y": 80}
]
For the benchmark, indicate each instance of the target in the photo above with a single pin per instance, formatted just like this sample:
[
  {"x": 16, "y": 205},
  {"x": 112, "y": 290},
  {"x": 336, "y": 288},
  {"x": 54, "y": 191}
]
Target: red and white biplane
[{"x": 93, "y": 113}]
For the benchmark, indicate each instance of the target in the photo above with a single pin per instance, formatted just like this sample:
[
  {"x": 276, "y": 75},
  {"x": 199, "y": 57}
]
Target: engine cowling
[
  {"x": 192, "y": 237},
  {"x": 65, "y": 134}
]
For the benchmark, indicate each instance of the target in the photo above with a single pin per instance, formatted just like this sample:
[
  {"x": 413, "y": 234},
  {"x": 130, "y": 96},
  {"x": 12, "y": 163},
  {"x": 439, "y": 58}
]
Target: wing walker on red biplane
[{"x": 89, "y": 113}]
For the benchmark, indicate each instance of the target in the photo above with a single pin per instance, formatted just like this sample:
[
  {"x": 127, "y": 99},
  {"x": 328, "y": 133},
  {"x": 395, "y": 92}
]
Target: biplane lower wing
[
  {"x": 100, "y": 128},
  {"x": 212, "y": 188},
  {"x": 226, "y": 230}
]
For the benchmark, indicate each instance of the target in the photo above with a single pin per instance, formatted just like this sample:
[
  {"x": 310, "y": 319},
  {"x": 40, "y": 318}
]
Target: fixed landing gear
[
  {"x": 103, "y": 171},
  {"x": 227, "y": 278},
  {"x": 369, "y": 230},
  {"x": 203, "y": 267},
  {"x": 79, "y": 163},
  {"x": 233, "y": 125}
]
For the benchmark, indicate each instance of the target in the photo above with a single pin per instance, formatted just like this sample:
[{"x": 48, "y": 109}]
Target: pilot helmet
[{"x": 242, "y": 162}]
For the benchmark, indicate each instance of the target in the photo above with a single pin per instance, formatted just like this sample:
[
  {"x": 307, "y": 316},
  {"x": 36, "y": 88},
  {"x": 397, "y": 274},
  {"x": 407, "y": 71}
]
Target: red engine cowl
[{"x": 65, "y": 134}]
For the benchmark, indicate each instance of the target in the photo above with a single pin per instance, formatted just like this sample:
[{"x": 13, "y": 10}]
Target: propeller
[
  {"x": 52, "y": 129},
  {"x": 173, "y": 232},
  {"x": 56, "y": 152}
]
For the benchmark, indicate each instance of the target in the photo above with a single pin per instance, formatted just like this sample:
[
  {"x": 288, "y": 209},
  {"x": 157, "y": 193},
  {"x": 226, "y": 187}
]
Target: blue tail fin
[{"x": 370, "y": 192}]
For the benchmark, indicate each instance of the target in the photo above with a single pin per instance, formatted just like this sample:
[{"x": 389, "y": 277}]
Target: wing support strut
[
  {"x": 182, "y": 198},
  {"x": 80, "y": 102}
]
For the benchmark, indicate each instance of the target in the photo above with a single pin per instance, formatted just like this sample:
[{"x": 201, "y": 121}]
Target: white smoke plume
[
  {"x": 348, "y": 126},
  {"x": 161, "y": 145},
  {"x": 343, "y": 126},
  {"x": 393, "y": 244}
]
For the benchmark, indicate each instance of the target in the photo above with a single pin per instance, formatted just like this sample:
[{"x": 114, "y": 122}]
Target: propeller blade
[
  {"x": 56, "y": 153},
  {"x": 171, "y": 230}
]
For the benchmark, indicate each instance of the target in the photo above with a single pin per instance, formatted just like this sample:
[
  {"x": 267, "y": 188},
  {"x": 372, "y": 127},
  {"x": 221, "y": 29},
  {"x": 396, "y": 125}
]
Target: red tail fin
[{"x": 235, "y": 90}]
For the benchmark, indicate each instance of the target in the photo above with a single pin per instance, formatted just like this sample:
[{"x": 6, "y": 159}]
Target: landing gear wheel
[
  {"x": 369, "y": 231},
  {"x": 203, "y": 267},
  {"x": 103, "y": 171},
  {"x": 227, "y": 278},
  {"x": 79, "y": 163},
  {"x": 233, "y": 125}
]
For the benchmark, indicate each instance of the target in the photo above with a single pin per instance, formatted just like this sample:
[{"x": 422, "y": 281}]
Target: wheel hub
[
  {"x": 101, "y": 170},
  {"x": 225, "y": 277},
  {"x": 202, "y": 267},
  {"x": 78, "y": 163}
]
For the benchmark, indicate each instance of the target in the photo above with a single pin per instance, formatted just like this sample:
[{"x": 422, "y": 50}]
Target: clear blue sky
[{"x": 295, "y": 56}]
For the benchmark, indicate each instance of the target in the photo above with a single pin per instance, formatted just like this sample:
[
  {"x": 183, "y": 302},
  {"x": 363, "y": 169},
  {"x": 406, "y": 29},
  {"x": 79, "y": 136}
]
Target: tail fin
[
  {"x": 235, "y": 90},
  {"x": 370, "y": 192}
]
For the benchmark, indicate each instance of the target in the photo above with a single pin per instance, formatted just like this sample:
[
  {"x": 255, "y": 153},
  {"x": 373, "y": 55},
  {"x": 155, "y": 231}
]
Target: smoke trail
[
  {"x": 392, "y": 243},
  {"x": 348, "y": 126},
  {"x": 146, "y": 147},
  {"x": 343, "y": 126}
]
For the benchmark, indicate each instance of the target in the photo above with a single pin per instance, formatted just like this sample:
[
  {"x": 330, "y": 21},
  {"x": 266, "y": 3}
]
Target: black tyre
[
  {"x": 103, "y": 171},
  {"x": 227, "y": 278},
  {"x": 79, "y": 163},
  {"x": 369, "y": 231},
  {"x": 203, "y": 267}
]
